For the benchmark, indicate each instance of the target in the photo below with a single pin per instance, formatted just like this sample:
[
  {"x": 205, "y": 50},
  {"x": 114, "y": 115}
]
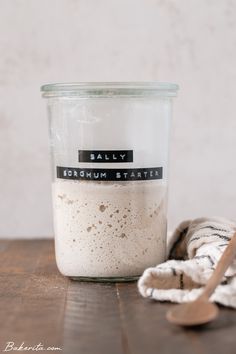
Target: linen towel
[{"x": 193, "y": 252}]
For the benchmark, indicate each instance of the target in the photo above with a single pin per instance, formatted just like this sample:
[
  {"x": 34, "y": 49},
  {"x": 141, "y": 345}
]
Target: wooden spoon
[{"x": 202, "y": 311}]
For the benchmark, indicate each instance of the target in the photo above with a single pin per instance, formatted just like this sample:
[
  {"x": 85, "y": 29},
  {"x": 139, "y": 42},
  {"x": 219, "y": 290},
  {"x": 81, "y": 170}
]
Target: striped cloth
[{"x": 194, "y": 250}]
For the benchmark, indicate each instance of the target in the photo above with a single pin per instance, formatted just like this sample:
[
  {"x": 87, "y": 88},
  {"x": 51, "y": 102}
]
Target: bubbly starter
[{"x": 109, "y": 229}]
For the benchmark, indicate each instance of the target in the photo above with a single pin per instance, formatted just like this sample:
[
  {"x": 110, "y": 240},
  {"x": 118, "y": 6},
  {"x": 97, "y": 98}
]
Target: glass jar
[{"x": 109, "y": 144}]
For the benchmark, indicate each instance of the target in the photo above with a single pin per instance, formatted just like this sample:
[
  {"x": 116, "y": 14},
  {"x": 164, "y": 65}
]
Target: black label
[
  {"x": 109, "y": 156},
  {"x": 100, "y": 174}
]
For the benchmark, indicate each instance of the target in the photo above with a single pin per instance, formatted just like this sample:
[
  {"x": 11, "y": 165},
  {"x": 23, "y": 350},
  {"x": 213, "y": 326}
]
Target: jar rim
[{"x": 110, "y": 89}]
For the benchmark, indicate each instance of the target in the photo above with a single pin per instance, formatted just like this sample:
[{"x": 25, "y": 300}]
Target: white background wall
[{"x": 191, "y": 42}]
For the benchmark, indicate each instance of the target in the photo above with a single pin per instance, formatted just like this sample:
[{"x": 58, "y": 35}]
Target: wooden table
[{"x": 38, "y": 305}]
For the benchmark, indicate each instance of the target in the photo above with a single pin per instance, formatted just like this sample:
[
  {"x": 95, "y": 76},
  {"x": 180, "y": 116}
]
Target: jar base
[{"x": 106, "y": 279}]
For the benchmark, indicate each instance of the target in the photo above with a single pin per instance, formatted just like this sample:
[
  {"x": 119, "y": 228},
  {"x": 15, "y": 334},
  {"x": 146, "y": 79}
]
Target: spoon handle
[{"x": 224, "y": 262}]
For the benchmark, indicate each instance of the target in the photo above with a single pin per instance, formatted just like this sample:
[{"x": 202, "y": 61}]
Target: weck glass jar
[{"x": 109, "y": 144}]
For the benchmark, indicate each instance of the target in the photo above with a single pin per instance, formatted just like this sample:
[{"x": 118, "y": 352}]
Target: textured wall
[{"x": 191, "y": 42}]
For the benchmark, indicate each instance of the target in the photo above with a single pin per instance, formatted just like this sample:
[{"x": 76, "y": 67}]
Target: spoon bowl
[{"x": 193, "y": 313}]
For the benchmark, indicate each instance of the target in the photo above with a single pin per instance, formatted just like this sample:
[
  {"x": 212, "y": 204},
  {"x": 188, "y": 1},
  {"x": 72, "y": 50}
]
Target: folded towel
[{"x": 193, "y": 252}]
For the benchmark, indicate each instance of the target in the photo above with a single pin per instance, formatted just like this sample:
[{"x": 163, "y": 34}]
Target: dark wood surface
[{"x": 38, "y": 305}]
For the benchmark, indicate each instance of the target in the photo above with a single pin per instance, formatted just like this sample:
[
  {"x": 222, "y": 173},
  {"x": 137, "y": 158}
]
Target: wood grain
[
  {"x": 37, "y": 304},
  {"x": 32, "y": 295}
]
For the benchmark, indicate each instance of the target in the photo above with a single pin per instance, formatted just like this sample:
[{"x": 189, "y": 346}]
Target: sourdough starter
[{"x": 109, "y": 229}]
